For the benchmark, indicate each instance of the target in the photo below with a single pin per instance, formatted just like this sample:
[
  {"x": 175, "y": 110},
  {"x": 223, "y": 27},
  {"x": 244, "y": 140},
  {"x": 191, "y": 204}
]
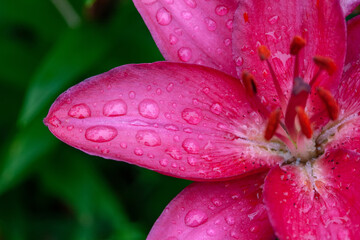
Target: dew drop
[
  {"x": 80, "y": 111},
  {"x": 185, "y": 54},
  {"x": 254, "y": 229},
  {"x": 221, "y": 10},
  {"x": 186, "y": 15},
  {"x": 190, "y": 146},
  {"x": 239, "y": 61},
  {"x": 149, "y": 109},
  {"x": 191, "y": 3},
  {"x": 170, "y": 87},
  {"x": 195, "y": 218},
  {"x": 174, "y": 152},
  {"x": 230, "y": 220},
  {"x": 138, "y": 152},
  {"x": 216, "y": 108},
  {"x": 210, "y": 24},
  {"x": 273, "y": 19},
  {"x": 148, "y": 137},
  {"x": 71, "y": 127},
  {"x": 132, "y": 94},
  {"x": 171, "y": 127},
  {"x": 173, "y": 39},
  {"x": 100, "y": 133},
  {"x": 211, "y": 232},
  {"x": 115, "y": 108},
  {"x": 54, "y": 121},
  {"x": 188, "y": 130},
  {"x": 191, "y": 116},
  {"x": 229, "y": 24},
  {"x": 191, "y": 161},
  {"x": 123, "y": 145},
  {"x": 216, "y": 201},
  {"x": 164, "y": 162},
  {"x": 227, "y": 42},
  {"x": 163, "y": 17},
  {"x": 158, "y": 91}
]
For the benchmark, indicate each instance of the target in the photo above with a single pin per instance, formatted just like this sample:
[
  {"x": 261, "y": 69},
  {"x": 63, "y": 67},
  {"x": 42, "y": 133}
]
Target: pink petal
[
  {"x": 183, "y": 120},
  {"x": 274, "y": 23},
  {"x": 222, "y": 210},
  {"x": 318, "y": 202},
  {"x": 192, "y": 31},
  {"x": 349, "y": 5}
]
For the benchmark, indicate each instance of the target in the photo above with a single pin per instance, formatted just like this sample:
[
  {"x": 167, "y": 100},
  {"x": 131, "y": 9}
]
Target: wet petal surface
[
  {"x": 318, "y": 202},
  {"x": 178, "y": 119},
  {"x": 192, "y": 31},
  {"x": 223, "y": 210}
]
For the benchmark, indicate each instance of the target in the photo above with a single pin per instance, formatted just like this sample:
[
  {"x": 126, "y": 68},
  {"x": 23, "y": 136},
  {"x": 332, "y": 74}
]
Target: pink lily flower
[{"x": 279, "y": 148}]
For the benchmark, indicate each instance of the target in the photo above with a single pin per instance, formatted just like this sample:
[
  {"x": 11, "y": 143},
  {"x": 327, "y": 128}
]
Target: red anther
[
  {"x": 296, "y": 45},
  {"x": 325, "y": 63},
  {"x": 274, "y": 120},
  {"x": 330, "y": 103},
  {"x": 264, "y": 52},
  {"x": 304, "y": 122},
  {"x": 249, "y": 83}
]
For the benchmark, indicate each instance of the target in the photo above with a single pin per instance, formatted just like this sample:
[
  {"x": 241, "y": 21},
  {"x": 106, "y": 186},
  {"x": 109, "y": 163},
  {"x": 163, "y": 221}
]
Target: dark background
[{"x": 49, "y": 190}]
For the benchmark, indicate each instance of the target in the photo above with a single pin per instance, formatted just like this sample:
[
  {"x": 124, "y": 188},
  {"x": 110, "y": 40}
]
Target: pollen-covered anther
[
  {"x": 330, "y": 103},
  {"x": 325, "y": 63},
  {"x": 296, "y": 45},
  {"x": 304, "y": 122},
  {"x": 264, "y": 52},
  {"x": 273, "y": 123},
  {"x": 249, "y": 83}
]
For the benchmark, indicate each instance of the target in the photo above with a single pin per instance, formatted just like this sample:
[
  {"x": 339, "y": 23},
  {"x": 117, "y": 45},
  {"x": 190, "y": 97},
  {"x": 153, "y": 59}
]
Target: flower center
[{"x": 290, "y": 122}]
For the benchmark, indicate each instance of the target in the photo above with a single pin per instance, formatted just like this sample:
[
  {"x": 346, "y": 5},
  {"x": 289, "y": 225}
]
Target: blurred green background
[{"x": 49, "y": 190}]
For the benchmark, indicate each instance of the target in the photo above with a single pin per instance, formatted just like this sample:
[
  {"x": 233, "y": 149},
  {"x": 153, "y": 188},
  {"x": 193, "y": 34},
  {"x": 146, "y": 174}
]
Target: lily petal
[
  {"x": 318, "y": 202},
  {"x": 192, "y": 31},
  {"x": 349, "y": 5},
  {"x": 222, "y": 210},
  {"x": 274, "y": 23},
  {"x": 179, "y": 119}
]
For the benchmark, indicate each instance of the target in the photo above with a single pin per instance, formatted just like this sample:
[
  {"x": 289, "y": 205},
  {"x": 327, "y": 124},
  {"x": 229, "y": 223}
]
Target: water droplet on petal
[
  {"x": 123, "y": 145},
  {"x": 211, "y": 232},
  {"x": 170, "y": 87},
  {"x": 190, "y": 146},
  {"x": 191, "y": 160},
  {"x": 216, "y": 108},
  {"x": 163, "y": 17},
  {"x": 164, "y": 162},
  {"x": 71, "y": 127},
  {"x": 115, "y": 108},
  {"x": 273, "y": 19},
  {"x": 100, "y": 133},
  {"x": 254, "y": 229},
  {"x": 54, "y": 121},
  {"x": 229, "y": 24},
  {"x": 171, "y": 127},
  {"x": 191, "y": 3},
  {"x": 80, "y": 111},
  {"x": 148, "y": 137},
  {"x": 185, "y": 54},
  {"x": 211, "y": 24},
  {"x": 195, "y": 218},
  {"x": 239, "y": 61},
  {"x": 221, "y": 10},
  {"x": 138, "y": 152},
  {"x": 230, "y": 220},
  {"x": 186, "y": 15},
  {"x": 175, "y": 153},
  {"x": 216, "y": 201},
  {"x": 173, "y": 39},
  {"x": 191, "y": 116},
  {"x": 227, "y": 42},
  {"x": 149, "y": 109},
  {"x": 132, "y": 94}
]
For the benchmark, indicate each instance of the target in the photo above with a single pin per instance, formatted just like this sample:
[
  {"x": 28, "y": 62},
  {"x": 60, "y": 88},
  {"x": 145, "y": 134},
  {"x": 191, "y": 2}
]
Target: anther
[
  {"x": 264, "y": 52},
  {"x": 274, "y": 120},
  {"x": 304, "y": 122},
  {"x": 249, "y": 83},
  {"x": 330, "y": 103},
  {"x": 296, "y": 45},
  {"x": 325, "y": 63}
]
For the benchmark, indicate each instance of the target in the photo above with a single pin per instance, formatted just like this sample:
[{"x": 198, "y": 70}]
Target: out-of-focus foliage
[{"x": 49, "y": 190}]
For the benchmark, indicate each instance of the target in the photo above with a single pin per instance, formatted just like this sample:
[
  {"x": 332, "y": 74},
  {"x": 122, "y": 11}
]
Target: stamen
[
  {"x": 304, "y": 122},
  {"x": 325, "y": 63},
  {"x": 264, "y": 54},
  {"x": 274, "y": 120},
  {"x": 330, "y": 103},
  {"x": 249, "y": 83},
  {"x": 296, "y": 45}
]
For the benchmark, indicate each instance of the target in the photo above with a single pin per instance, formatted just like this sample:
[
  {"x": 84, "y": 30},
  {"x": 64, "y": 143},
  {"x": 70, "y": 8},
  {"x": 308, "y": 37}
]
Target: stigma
[{"x": 290, "y": 122}]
